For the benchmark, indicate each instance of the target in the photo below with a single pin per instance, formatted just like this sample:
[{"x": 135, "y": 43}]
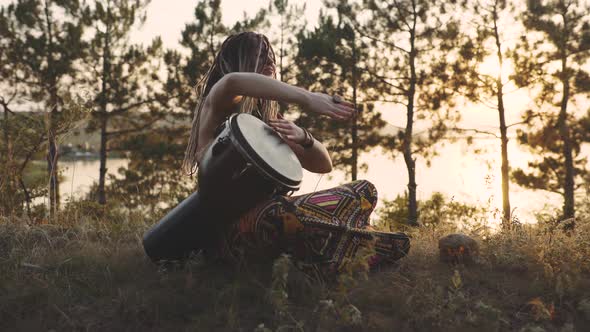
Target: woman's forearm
[
  {"x": 261, "y": 86},
  {"x": 232, "y": 86},
  {"x": 314, "y": 159}
]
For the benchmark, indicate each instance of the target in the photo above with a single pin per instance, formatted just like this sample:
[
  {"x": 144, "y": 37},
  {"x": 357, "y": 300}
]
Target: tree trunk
[
  {"x": 52, "y": 159},
  {"x": 21, "y": 169},
  {"x": 568, "y": 185},
  {"x": 281, "y": 53},
  {"x": 505, "y": 170},
  {"x": 27, "y": 196},
  {"x": 407, "y": 143},
  {"x": 103, "y": 159},
  {"x": 354, "y": 118},
  {"x": 505, "y": 164},
  {"x": 52, "y": 149},
  {"x": 7, "y": 140},
  {"x": 8, "y": 201},
  {"x": 102, "y": 199}
]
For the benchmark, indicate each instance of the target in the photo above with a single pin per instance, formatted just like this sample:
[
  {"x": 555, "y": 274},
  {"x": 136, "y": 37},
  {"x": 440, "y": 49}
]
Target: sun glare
[{"x": 491, "y": 66}]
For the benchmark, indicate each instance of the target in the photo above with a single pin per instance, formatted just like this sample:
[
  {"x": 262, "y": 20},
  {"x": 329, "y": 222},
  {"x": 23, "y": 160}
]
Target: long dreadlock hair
[{"x": 242, "y": 52}]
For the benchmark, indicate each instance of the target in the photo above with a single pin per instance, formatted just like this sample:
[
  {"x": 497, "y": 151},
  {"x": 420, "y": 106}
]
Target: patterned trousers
[{"x": 322, "y": 231}]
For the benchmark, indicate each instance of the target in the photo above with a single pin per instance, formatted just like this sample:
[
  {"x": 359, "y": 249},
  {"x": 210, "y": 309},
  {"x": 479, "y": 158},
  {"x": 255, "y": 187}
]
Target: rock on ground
[{"x": 458, "y": 248}]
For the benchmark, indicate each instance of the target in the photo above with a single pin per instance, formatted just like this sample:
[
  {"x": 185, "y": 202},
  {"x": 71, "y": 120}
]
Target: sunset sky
[{"x": 167, "y": 19}]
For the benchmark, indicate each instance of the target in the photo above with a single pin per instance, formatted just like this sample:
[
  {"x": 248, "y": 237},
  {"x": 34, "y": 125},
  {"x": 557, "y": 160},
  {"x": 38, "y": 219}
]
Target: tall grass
[{"x": 90, "y": 273}]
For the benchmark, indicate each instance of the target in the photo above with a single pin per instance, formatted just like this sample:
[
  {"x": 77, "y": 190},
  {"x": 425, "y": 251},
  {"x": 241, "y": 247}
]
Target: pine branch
[
  {"x": 382, "y": 101},
  {"x": 486, "y": 103},
  {"x": 31, "y": 152},
  {"x": 134, "y": 130},
  {"x": 436, "y": 28},
  {"x": 131, "y": 106},
  {"x": 402, "y": 15},
  {"x": 480, "y": 77},
  {"x": 383, "y": 79},
  {"x": 5, "y": 105},
  {"x": 355, "y": 27},
  {"x": 525, "y": 121},
  {"x": 477, "y": 131}
]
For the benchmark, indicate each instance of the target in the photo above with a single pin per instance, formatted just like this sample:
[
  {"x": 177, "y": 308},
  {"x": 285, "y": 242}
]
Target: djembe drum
[{"x": 247, "y": 163}]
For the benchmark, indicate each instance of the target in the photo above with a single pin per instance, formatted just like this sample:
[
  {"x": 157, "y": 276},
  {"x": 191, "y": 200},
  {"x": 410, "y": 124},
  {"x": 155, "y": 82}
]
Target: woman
[{"x": 242, "y": 79}]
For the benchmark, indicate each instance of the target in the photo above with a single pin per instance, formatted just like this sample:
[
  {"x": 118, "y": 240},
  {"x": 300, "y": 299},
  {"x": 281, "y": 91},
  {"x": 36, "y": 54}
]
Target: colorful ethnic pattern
[{"x": 322, "y": 230}]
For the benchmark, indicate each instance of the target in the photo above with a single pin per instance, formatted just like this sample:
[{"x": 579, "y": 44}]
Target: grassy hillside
[{"x": 91, "y": 274}]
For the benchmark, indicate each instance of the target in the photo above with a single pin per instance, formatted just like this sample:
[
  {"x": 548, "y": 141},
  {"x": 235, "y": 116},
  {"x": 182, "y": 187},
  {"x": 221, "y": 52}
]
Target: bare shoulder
[
  {"x": 214, "y": 114},
  {"x": 211, "y": 118}
]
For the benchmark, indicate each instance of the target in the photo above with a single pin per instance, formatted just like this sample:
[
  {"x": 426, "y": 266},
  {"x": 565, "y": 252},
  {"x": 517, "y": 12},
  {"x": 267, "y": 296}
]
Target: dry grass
[{"x": 93, "y": 276}]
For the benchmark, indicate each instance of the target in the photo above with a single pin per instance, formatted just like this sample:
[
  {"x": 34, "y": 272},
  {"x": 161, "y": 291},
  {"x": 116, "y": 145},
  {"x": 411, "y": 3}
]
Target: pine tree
[
  {"x": 8, "y": 93},
  {"x": 153, "y": 180},
  {"x": 22, "y": 136},
  {"x": 203, "y": 37},
  {"x": 487, "y": 41},
  {"x": 283, "y": 36},
  {"x": 413, "y": 42},
  {"x": 330, "y": 61},
  {"x": 48, "y": 44},
  {"x": 552, "y": 61},
  {"x": 130, "y": 94}
]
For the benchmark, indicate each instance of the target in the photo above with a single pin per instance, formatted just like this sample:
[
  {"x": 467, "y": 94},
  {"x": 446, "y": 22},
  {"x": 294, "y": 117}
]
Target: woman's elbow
[
  {"x": 222, "y": 93},
  {"x": 227, "y": 86},
  {"x": 327, "y": 167},
  {"x": 322, "y": 168},
  {"x": 229, "y": 83}
]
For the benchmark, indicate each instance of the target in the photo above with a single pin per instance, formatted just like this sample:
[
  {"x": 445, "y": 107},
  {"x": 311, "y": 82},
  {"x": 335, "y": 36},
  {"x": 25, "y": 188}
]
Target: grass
[{"x": 93, "y": 275}]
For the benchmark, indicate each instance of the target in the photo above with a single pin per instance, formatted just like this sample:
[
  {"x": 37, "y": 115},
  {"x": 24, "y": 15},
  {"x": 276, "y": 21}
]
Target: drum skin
[{"x": 232, "y": 179}]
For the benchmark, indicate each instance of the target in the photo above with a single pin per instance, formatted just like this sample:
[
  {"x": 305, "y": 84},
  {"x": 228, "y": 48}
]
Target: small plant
[{"x": 278, "y": 296}]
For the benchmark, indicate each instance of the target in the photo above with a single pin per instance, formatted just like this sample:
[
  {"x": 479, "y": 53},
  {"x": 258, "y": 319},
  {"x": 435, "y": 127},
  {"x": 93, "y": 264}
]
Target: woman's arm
[
  {"x": 225, "y": 94},
  {"x": 315, "y": 158},
  {"x": 222, "y": 95}
]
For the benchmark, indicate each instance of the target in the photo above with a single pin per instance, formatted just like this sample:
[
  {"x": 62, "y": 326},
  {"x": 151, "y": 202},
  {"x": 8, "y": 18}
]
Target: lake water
[
  {"x": 80, "y": 175},
  {"x": 457, "y": 172}
]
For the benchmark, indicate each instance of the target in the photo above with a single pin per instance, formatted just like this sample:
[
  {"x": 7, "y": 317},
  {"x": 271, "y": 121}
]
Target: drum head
[{"x": 265, "y": 148}]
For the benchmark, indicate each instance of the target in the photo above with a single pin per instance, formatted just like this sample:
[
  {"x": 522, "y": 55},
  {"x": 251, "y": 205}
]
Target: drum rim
[{"x": 249, "y": 153}]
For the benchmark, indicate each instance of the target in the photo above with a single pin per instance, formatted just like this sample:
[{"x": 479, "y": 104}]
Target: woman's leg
[
  {"x": 314, "y": 228},
  {"x": 348, "y": 205}
]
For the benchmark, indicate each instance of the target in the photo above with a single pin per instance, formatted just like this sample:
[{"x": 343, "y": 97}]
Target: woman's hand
[
  {"x": 314, "y": 158},
  {"x": 288, "y": 130},
  {"x": 324, "y": 104}
]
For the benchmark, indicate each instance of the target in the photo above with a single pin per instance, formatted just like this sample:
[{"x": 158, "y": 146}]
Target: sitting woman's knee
[{"x": 367, "y": 190}]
